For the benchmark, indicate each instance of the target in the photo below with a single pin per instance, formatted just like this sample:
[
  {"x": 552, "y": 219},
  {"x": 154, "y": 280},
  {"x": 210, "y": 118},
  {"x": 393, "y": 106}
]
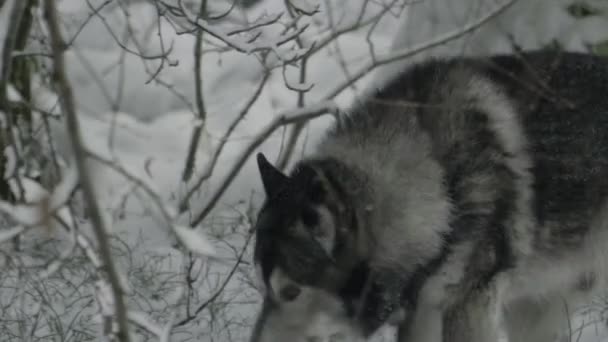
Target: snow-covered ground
[{"x": 128, "y": 117}]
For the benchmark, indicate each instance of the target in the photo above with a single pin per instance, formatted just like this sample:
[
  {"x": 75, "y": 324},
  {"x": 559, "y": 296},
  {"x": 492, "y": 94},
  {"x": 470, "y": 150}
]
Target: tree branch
[
  {"x": 298, "y": 127},
  {"x": 405, "y": 53},
  {"x": 12, "y": 31},
  {"x": 73, "y": 128},
  {"x": 294, "y": 116},
  {"x": 200, "y": 105},
  {"x": 208, "y": 172},
  {"x": 222, "y": 286}
]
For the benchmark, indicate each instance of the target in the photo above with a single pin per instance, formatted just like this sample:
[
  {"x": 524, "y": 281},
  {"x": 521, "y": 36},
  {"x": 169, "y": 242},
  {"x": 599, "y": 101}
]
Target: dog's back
[{"x": 470, "y": 178}]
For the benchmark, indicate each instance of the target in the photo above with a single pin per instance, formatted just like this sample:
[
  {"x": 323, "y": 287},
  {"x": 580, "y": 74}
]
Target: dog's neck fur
[
  {"x": 397, "y": 191},
  {"x": 345, "y": 185}
]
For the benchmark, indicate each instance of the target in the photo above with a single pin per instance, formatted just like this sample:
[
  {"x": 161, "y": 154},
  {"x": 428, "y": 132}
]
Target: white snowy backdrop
[{"x": 131, "y": 64}]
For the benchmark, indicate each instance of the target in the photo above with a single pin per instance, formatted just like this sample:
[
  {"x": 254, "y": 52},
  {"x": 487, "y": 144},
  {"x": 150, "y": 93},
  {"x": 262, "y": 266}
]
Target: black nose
[{"x": 290, "y": 292}]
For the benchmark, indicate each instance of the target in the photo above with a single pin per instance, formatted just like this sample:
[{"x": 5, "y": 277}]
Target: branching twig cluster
[{"x": 249, "y": 39}]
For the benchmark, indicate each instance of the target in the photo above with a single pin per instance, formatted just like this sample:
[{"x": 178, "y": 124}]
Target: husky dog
[{"x": 466, "y": 196}]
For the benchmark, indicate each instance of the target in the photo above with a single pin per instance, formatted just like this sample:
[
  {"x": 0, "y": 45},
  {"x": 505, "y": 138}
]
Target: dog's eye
[
  {"x": 309, "y": 217},
  {"x": 316, "y": 192},
  {"x": 290, "y": 292}
]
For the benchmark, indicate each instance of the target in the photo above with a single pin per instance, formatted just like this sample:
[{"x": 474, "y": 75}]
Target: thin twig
[
  {"x": 290, "y": 117},
  {"x": 247, "y": 46},
  {"x": 73, "y": 128},
  {"x": 156, "y": 198},
  {"x": 94, "y": 12},
  {"x": 406, "y": 53},
  {"x": 208, "y": 172},
  {"x": 163, "y": 55},
  {"x": 221, "y": 288},
  {"x": 297, "y": 128},
  {"x": 200, "y": 105},
  {"x": 357, "y": 25}
]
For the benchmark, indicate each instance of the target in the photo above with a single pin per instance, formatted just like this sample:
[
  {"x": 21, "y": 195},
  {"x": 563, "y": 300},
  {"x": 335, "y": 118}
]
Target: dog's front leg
[
  {"x": 473, "y": 318},
  {"x": 423, "y": 325}
]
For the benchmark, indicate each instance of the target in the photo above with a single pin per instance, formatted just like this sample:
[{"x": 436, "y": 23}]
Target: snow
[
  {"x": 12, "y": 94},
  {"x": 40, "y": 203},
  {"x": 194, "y": 241},
  {"x": 144, "y": 127},
  {"x": 8, "y": 234}
]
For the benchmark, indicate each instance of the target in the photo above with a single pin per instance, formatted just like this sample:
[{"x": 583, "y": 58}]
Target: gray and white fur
[{"x": 466, "y": 195}]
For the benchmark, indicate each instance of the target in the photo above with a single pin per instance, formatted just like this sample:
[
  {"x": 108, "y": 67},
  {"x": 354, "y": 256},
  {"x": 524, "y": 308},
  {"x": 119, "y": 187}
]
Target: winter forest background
[{"x": 172, "y": 98}]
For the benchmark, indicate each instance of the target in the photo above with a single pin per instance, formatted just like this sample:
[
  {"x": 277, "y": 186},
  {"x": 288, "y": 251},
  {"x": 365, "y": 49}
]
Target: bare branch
[
  {"x": 200, "y": 105},
  {"x": 162, "y": 56},
  {"x": 94, "y": 12},
  {"x": 11, "y": 233},
  {"x": 267, "y": 22},
  {"x": 405, "y": 53},
  {"x": 137, "y": 181},
  {"x": 357, "y": 25},
  {"x": 146, "y": 323},
  {"x": 9, "y": 45},
  {"x": 297, "y": 128},
  {"x": 244, "y": 44},
  {"x": 286, "y": 118},
  {"x": 73, "y": 128},
  {"x": 207, "y": 173},
  {"x": 167, "y": 213},
  {"x": 226, "y": 13},
  {"x": 222, "y": 286}
]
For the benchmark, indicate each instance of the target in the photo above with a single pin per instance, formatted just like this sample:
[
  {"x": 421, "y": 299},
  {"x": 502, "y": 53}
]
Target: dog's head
[
  {"x": 311, "y": 252},
  {"x": 304, "y": 255},
  {"x": 305, "y": 232}
]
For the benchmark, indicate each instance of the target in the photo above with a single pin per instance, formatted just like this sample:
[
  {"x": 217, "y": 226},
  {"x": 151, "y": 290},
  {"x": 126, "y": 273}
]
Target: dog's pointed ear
[{"x": 272, "y": 178}]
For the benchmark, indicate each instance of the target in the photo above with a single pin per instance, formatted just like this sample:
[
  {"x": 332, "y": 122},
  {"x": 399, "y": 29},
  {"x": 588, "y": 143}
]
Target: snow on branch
[
  {"x": 167, "y": 213},
  {"x": 194, "y": 241},
  {"x": 250, "y": 38},
  {"x": 208, "y": 171},
  {"x": 42, "y": 205},
  {"x": 9, "y": 234}
]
